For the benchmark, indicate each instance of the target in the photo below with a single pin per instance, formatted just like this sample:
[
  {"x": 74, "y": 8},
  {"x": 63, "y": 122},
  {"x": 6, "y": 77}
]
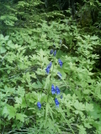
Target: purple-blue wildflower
[
  {"x": 53, "y": 89},
  {"x": 60, "y": 62},
  {"x": 54, "y": 53},
  {"x": 57, "y": 90},
  {"x": 48, "y": 68},
  {"x": 56, "y": 102},
  {"x": 51, "y": 51},
  {"x": 50, "y": 64},
  {"x": 39, "y": 105}
]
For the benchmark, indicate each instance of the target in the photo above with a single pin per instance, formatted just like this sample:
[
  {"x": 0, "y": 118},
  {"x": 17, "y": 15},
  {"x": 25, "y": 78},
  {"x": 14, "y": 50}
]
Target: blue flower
[
  {"x": 56, "y": 102},
  {"x": 57, "y": 90},
  {"x": 51, "y": 51},
  {"x": 54, "y": 53},
  {"x": 59, "y": 74},
  {"x": 48, "y": 68},
  {"x": 60, "y": 62},
  {"x": 39, "y": 105},
  {"x": 53, "y": 89},
  {"x": 50, "y": 64}
]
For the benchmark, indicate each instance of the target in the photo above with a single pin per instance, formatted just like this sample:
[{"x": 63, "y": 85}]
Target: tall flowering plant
[{"x": 55, "y": 90}]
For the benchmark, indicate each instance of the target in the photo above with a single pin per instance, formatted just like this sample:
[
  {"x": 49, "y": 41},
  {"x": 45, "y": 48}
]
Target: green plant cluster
[{"x": 24, "y": 56}]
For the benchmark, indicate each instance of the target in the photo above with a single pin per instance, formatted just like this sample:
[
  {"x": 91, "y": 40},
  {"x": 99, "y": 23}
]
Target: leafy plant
[{"x": 49, "y": 79}]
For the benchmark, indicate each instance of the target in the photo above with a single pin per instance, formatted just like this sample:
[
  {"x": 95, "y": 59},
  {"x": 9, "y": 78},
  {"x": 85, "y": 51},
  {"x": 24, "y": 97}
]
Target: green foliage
[{"x": 24, "y": 56}]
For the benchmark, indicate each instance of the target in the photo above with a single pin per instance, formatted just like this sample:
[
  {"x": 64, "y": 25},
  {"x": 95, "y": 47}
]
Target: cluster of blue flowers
[
  {"x": 56, "y": 102},
  {"x": 39, "y": 105},
  {"x": 60, "y": 62},
  {"x": 50, "y": 64},
  {"x": 53, "y": 52},
  {"x": 48, "y": 68},
  {"x": 54, "y": 90}
]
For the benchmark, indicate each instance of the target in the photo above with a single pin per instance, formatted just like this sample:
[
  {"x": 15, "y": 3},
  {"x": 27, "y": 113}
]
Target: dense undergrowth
[{"x": 50, "y": 75}]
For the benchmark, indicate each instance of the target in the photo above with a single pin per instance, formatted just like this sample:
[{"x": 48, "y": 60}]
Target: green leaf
[
  {"x": 96, "y": 112},
  {"x": 20, "y": 91},
  {"x": 89, "y": 107},
  {"x": 21, "y": 117},
  {"x": 10, "y": 44},
  {"x": 9, "y": 111},
  {"x": 2, "y": 50},
  {"x": 18, "y": 100},
  {"x": 47, "y": 82},
  {"x": 82, "y": 130},
  {"x": 79, "y": 106},
  {"x": 37, "y": 85}
]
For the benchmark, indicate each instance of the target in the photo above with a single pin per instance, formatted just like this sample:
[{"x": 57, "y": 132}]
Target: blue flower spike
[
  {"x": 60, "y": 62},
  {"x": 50, "y": 64},
  {"x": 39, "y": 105},
  {"x": 51, "y": 51},
  {"x": 53, "y": 89},
  {"x": 48, "y": 68},
  {"x": 54, "y": 53},
  {"x": 56, "y": 102},
  {"x": 57, "y": 90}
]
